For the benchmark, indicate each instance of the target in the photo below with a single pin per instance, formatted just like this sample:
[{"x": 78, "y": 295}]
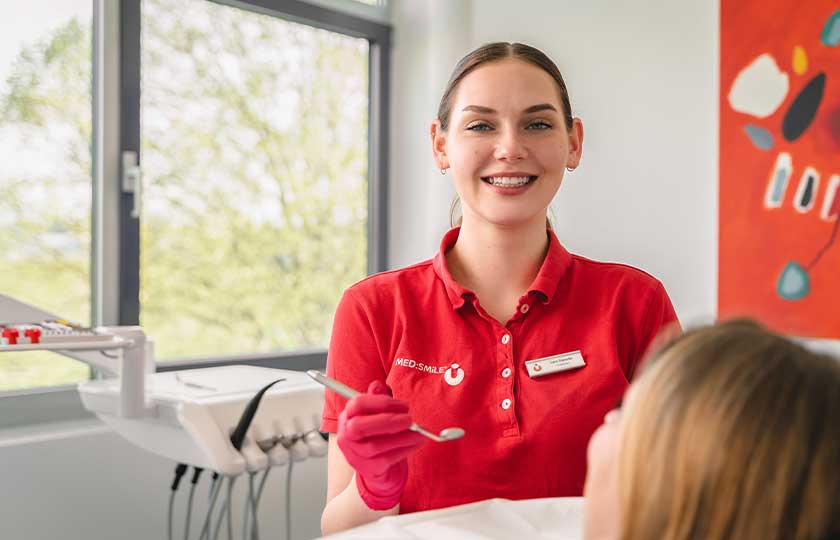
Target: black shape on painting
[
  {"x": 808, "y": 193},
  {"x": 803, "y": 109}
]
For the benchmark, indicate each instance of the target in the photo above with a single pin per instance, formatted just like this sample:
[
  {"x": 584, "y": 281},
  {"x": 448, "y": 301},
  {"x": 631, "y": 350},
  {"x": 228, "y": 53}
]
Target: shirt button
[
  {"x": 506, "y": 404},
  {"x": 524, "y": 308},
  {"x": 505, "y": 339},
  {"x": 506, "y": 372}
]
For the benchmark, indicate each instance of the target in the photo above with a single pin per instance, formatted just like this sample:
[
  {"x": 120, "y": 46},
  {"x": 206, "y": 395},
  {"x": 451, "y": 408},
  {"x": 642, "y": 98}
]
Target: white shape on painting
[
  {"x": 759, "y": 88},
  {"x": 778, "y": 181},
  {"x": 830, "y": 193}
]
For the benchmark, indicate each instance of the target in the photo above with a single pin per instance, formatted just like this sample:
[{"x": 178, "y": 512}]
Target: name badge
[{"x": 553, "y": 364}]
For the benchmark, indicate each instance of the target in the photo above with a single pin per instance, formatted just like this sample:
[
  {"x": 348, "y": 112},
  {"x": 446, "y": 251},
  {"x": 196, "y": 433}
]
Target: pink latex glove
[{"x": 373, "y": 434}]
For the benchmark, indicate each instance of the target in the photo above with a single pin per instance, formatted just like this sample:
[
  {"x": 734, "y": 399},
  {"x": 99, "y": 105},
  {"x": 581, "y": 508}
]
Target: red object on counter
[
  {"x": 34, "y": 334},
  {"x": 11, "y": 334}
]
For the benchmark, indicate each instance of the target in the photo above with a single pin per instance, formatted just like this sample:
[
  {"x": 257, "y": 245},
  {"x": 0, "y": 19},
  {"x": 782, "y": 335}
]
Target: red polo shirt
[{"x": 525, "y": 436}]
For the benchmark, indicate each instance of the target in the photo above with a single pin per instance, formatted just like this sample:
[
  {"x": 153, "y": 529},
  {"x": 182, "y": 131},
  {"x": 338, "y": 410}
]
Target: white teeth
[{"x": 509, "y": 181}]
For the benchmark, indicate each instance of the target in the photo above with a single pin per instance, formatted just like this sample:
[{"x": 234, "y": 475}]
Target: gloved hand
[{"x": 373, "y": 434}]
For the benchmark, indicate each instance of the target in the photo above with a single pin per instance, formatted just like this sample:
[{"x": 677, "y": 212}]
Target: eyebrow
[{"x": 529, "y": 110}]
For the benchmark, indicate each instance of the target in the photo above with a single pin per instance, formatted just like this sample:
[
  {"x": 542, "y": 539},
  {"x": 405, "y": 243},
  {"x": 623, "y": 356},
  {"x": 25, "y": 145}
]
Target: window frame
[{"x": 115, "y": 276}]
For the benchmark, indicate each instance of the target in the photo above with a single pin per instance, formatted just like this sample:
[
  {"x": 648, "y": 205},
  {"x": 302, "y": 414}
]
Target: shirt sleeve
[
  {"x": 660, "y": 320},
  {"x": 353, "y": 357}
]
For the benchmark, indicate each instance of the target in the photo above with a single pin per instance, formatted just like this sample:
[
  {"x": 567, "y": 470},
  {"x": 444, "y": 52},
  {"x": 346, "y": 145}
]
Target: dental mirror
[{"x": 447, "y": 434}]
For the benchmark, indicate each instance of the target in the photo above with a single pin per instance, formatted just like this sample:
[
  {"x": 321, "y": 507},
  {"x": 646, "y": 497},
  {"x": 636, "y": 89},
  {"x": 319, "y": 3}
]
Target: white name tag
[{"x": 553, "y": 364}]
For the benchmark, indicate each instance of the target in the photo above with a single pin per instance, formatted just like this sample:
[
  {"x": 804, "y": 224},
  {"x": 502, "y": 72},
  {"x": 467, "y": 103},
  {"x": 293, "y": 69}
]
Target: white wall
[
  {"x": 428, "y": 39},
  {"x": 80, "y": 481},
  {"x": 643, "y": 76}
]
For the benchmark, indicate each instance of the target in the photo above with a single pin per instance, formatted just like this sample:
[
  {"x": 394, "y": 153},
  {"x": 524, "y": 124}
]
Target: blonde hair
[{"x": 733, "y": 432}]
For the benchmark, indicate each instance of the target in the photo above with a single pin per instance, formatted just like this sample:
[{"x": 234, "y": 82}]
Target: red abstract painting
[{"x": 779, "y": 178}]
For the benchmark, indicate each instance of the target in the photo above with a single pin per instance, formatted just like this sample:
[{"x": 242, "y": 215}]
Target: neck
[{"x": 489, "y": 257}]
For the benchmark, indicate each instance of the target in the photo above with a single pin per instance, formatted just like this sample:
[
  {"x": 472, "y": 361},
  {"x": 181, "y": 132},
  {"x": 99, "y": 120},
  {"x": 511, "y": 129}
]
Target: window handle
[{"x": 131, "y": 181}]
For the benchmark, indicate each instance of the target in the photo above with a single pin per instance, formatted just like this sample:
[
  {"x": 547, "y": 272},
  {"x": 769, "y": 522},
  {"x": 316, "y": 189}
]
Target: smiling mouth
[{"x": 508, "y": 181}]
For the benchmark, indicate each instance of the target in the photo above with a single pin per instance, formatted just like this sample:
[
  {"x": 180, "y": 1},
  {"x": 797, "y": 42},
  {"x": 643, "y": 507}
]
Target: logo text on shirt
[{"x": 452, "y": 374}]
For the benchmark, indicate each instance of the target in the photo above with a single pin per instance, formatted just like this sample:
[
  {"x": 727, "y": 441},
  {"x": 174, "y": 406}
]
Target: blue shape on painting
[
  {"x": 794, "y": 283},
  {"x": 831, "y": 31},
  {"x": 760, "y": 137},
  {"x": 779, "y": 185}
]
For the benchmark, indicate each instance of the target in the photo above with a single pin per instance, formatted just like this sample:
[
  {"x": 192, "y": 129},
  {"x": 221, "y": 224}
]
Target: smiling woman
[
  {"x": 484, "y": 315},
  {"x": 530, "y": 56},
  {"x": 520, "y": 148}
]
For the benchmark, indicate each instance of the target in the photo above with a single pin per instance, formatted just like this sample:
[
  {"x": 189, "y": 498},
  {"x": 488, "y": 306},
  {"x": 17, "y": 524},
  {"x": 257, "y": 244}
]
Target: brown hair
[
  {"x": 494, "y": 52},
  {"x": 732, "y": 432}
]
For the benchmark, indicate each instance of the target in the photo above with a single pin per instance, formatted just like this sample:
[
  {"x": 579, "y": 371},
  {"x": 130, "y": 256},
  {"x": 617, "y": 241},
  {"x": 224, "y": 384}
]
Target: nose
[{"x": 510, "y": 146}]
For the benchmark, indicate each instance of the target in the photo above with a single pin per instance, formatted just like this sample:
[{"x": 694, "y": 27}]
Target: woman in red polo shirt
[{"x": 503, "y": 333}]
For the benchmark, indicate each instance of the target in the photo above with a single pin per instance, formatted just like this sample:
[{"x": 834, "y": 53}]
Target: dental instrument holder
[
  {"x": 186, "y": 416},
  {"x": 133, "y": 362}
]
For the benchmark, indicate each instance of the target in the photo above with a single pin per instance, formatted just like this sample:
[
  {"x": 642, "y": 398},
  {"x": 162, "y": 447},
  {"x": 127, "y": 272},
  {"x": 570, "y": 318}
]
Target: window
[
  {"x": 260, "y": 132},
  {"x": 254, "y": 157},
  {"x": 45, "y": 180}
]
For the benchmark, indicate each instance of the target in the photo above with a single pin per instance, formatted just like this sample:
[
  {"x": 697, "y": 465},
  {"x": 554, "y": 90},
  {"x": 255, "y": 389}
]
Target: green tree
[{"x": 255, "y": 160}]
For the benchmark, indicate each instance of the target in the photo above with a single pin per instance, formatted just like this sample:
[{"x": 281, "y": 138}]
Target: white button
[
  {"x": 524, "y": 308},
  {"x": 506, "y": 372},
  {"x": 505, "y": 339},
  {"x": 506, "y": 404}
]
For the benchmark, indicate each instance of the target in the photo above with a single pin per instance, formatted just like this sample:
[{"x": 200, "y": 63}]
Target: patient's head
[{"x": 731, "y": 432}]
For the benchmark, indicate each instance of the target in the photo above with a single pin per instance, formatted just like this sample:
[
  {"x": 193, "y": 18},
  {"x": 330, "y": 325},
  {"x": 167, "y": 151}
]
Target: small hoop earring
[
  {"x": 570, "y": 169},
  {"x": 443, "y": 171}
]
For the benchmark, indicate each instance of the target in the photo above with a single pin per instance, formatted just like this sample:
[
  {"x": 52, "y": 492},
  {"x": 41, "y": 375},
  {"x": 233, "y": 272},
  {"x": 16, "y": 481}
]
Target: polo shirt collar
[
  {"x": 556, "y": 263},
  {"x": 454, "y": 290}
]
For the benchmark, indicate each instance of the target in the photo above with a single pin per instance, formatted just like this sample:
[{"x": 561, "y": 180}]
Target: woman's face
[
  {"x": 507, "y": 144},
  {"x": 601, "y": 503}
]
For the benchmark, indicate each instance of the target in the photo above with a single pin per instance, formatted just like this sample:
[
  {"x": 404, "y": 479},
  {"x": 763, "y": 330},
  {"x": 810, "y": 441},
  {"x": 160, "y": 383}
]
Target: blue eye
[
  {"x": 479, "y": 126},
  {"x": 539, "y": 125}
]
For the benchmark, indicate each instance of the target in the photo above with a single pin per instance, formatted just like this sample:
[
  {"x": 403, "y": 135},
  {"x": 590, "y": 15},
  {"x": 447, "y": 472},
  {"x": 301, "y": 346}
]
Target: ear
[
  {"x": 439, "y": 145},
  {"x": 575, "y": 144}
]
